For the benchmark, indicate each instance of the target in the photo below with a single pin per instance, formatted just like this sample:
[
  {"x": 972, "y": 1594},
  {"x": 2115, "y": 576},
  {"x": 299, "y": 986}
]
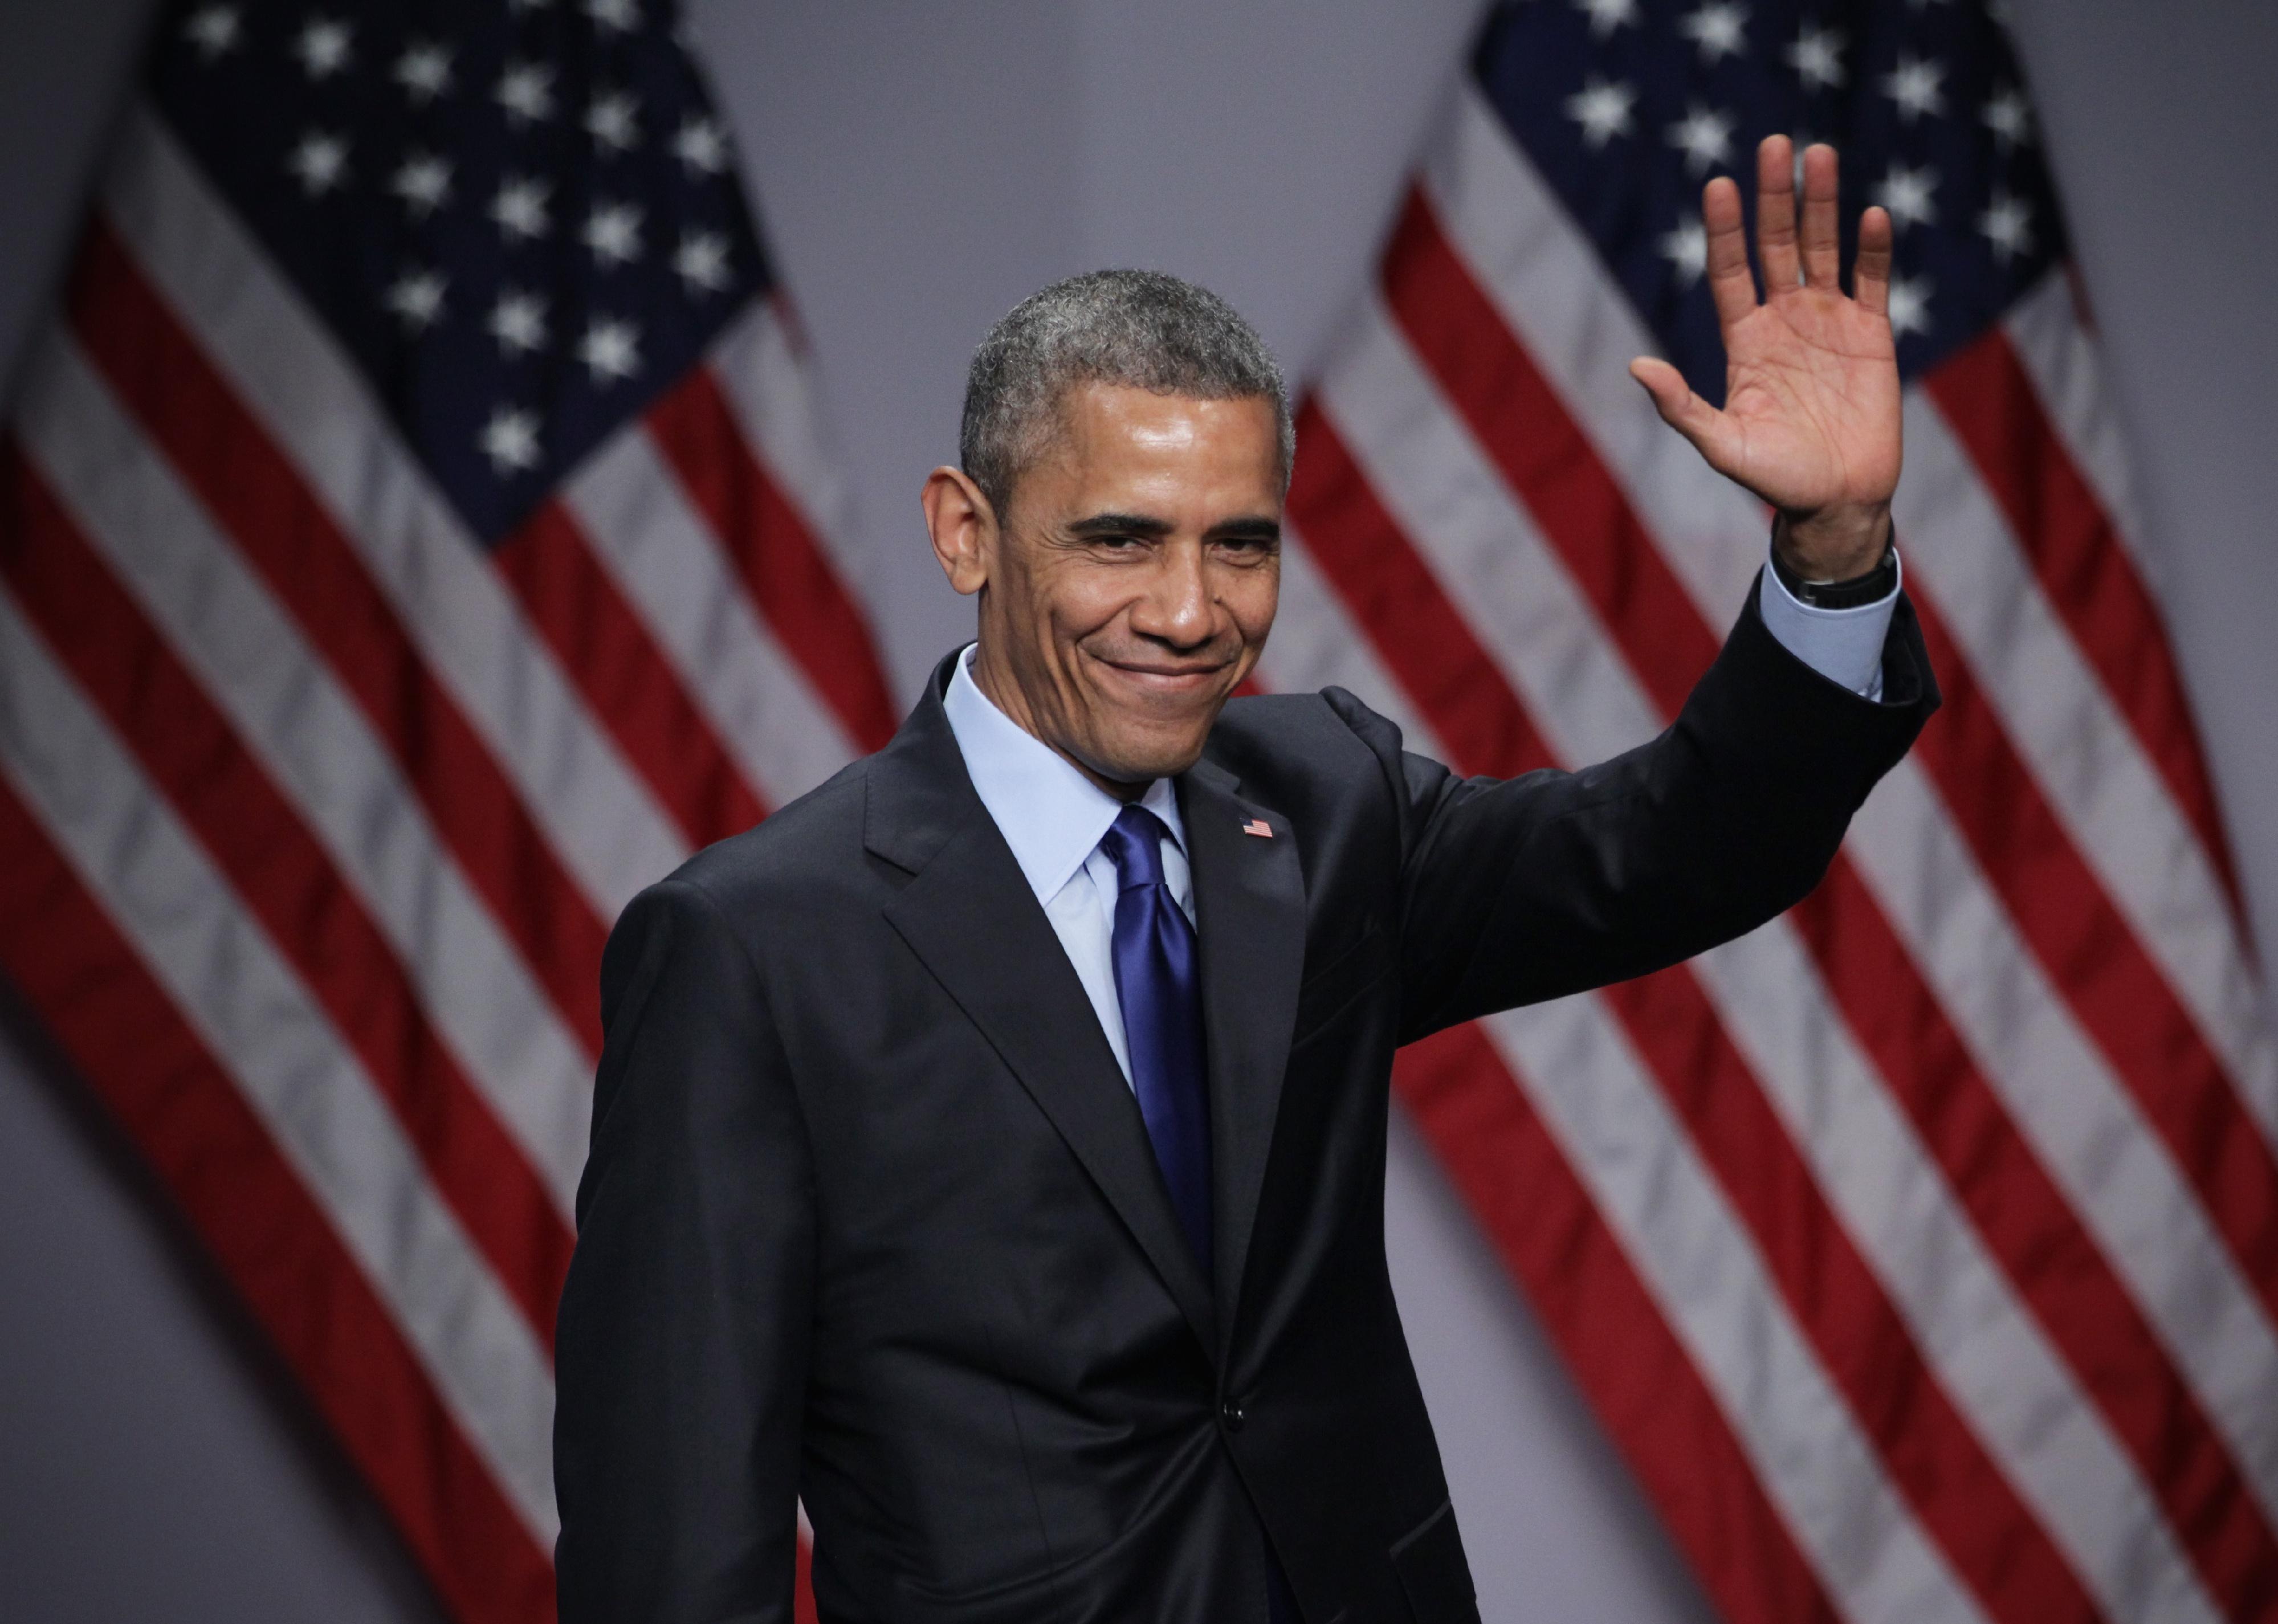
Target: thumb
[{"x": 1680, "y": 409}]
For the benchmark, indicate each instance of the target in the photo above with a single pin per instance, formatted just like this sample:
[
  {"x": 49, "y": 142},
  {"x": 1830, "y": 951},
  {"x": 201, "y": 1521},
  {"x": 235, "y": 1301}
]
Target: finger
[
  {"x": 1709, "y": 429},
  {"x": 1823, "y": 248},
  {"x": 1775, "y": 214},
  {"x": 1870, "y": 273},
  {"x": 1729, "y": 284}
]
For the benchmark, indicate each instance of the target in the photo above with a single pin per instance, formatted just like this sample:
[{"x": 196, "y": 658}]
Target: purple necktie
[{"x": 1160, "y": 985}]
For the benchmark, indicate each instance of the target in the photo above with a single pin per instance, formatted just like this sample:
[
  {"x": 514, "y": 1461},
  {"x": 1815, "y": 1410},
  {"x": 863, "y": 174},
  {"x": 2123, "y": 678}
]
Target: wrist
[
  {"x": 1835, "y": 546},
  {"x": 1854, "y": 592}
]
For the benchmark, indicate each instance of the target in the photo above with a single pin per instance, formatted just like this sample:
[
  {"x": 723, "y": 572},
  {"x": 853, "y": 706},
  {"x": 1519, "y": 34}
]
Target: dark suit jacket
[{"x": 871, "y": 1216}]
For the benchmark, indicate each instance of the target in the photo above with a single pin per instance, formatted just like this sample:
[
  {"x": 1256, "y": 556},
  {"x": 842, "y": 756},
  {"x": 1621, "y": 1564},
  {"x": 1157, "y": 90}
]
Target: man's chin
[{"x": 1136, "y": 761}]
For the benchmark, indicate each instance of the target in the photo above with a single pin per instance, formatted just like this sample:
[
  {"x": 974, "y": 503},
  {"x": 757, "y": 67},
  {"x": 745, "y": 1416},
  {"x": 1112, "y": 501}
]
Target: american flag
[
  {"x": 415, "y": 537},
  {"x": 1920, "y": 1250}
]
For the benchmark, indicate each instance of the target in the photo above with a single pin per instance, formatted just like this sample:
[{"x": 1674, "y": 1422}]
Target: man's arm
[
  {"x": 1521, "y": 889},
  {"x": 681, "y": 1342}
]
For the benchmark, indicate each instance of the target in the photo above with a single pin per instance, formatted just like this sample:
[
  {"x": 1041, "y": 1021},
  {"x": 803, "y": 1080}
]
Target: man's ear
[{"x": 962, "y": 526}]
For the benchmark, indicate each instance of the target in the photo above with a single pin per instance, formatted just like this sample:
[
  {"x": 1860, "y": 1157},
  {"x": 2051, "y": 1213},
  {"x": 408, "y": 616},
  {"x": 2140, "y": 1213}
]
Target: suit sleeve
[
  {"x": 1521, "y": 889},
  {"x": 682, "y": 1341}
]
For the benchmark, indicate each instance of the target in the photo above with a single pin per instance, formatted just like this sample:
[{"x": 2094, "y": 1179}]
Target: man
[{"x": 988, "y": 1150}]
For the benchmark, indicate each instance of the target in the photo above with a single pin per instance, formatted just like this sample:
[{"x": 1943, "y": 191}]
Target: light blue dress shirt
[{"x": 1052, "y": 816}]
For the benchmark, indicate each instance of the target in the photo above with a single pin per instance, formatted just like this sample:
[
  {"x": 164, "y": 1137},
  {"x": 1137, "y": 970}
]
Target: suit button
[{"x": 1231, "y": 1413}]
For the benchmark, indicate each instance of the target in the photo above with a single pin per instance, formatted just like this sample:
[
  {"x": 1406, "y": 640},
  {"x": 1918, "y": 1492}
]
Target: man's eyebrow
[
  {"x": 1246, "y": 530},
  {"x": 1120, "y": 524}
]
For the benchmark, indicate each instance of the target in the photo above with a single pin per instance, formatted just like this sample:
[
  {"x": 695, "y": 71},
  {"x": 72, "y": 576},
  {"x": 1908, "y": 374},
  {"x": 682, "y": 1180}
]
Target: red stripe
[
  {"x": 1956, "y": 1488},
  {"x": 804, "y": 603},
  {"x": 627, "y": 679},
  {"x": 1523, "y": 428},
  {"x": 273, "y": 1241},
  {"x": 285, "y": 880},
  {"x": 2114, "y": 988},
  {"x": 226, "y": 458},
  {"x": 1493, "y": 383},
  {"x": 2069, "y": 1285},
  {"x": 1644, "y": 1389},
  {"x": 1389, "y": 590},
  {"x": 2064, "y": 534}
]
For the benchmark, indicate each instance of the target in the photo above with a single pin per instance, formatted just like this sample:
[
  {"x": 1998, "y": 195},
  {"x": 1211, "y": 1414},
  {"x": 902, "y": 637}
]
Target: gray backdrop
[{"x": 922, "y": 164}]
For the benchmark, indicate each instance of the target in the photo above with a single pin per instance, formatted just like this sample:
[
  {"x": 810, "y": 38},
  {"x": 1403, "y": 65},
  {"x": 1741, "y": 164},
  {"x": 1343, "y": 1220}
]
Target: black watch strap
[{"x": 1877, "y": 584}]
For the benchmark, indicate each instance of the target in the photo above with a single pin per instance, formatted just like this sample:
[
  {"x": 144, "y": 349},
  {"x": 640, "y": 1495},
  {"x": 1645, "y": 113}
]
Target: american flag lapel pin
[{"x": 1260, "y": 827}]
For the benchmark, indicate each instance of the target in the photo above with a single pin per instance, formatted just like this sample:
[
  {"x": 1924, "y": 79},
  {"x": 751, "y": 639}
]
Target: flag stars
[
  {"x": 1705, "y": 136},
  {"x": 2007, "y": 117},
  {"x": 613, "y": 232},
  {"x": 214, "y": 31},
  {"x": 424, "y": 183},
  {"x": 416, "y": 298},
  {"x": 322, "y": 48},
  {"x": 1602, "y": 109},
  {"x": 1909, "y": 306},
  {"x": 614, "y": 16},
  {"x": 1917, "y": 86},
  {"x": 319, "y": 162},
  {"x": 1718, "y": 30},
  {"x": 610, "y": 350},
  {"x": 526, "y": 91},
  {"x": 614, "y": 122},
  {"x": 424, "y": 70},
  {"x": 1608, "y": 15},
  {"x": 1686, "y": 251},
  {"x": 1818, "y": 59},
  {"x": 1905, "y": 194},
  {"x": 701, "y": 262},
  {"x": 2007, "y": 223},
  {"x": 519, "y": 209},
  {"x": 518, "y": 321},
  {"x": 509, "y": 439},
  {"x": 701, "y": 146}
]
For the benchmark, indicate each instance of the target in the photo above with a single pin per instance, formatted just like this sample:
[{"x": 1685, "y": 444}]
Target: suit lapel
[
  {"x": 1250, "y": 908},
  {"x": 969, "y": 916}
]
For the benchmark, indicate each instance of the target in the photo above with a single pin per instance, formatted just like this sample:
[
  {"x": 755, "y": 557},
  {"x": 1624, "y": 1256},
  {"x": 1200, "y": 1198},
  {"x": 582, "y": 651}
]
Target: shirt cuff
[{"x": 1843, "y": 646}]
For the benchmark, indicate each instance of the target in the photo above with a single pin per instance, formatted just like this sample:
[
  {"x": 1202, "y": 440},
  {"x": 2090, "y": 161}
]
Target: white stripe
[
  {"x": 285, "y": 366},
  {"x": 1549, "y": 286},
  {"x": 2061, "y": 359},
  {"x": 1550, "y": 289},
  {"x": 1865, "y": 1156},
  {"x": 764, "y": 375},
  {"x": 2082, "y": 751},
  {"x": 1697, "y": 1261},
  {"x": 322, "y": 1110},
  {"x": 251, "y": 659},
  {"x": 671, "y": 570}
]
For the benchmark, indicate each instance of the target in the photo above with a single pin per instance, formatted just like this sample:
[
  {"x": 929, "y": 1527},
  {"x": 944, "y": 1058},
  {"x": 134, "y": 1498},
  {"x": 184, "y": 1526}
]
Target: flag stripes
[{"x": 272, "y": 1233}]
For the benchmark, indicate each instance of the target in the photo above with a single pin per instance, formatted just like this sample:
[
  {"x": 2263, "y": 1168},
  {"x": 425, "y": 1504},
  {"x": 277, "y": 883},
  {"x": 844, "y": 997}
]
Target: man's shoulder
[
  {"x": 799, "y": 855},
  {"x": 1316, "y": 741}
]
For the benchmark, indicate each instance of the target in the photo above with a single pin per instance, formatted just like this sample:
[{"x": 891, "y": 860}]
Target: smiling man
[{"x": 988, "y": 1150}]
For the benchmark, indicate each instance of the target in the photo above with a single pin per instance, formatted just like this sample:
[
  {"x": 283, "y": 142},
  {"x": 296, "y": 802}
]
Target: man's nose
[{"x": 1176, "y": 606}]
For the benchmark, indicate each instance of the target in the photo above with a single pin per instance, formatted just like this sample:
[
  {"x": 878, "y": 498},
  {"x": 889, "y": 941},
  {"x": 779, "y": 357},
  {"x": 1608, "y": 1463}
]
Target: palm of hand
[{"x": 1812, "y": 398}]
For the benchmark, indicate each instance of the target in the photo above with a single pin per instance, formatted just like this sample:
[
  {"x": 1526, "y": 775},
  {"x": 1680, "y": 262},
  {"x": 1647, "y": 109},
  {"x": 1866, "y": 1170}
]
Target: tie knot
[{"x": 1134, "y": 843}]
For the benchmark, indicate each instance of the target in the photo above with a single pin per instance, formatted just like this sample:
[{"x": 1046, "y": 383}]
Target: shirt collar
[{"x": 1051, "y": 814}]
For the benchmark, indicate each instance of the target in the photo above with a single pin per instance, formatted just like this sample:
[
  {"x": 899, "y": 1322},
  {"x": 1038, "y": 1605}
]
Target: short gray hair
[{"x": 1140, "y": 329}]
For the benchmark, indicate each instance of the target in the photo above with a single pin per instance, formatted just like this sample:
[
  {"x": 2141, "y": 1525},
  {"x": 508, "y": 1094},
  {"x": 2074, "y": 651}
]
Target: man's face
[{"x": 1132, "y": 583}]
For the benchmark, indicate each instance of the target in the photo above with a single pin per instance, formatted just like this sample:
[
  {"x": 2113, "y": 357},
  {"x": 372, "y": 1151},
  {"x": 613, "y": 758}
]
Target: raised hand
[{"x": 1811, "y": 416}]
